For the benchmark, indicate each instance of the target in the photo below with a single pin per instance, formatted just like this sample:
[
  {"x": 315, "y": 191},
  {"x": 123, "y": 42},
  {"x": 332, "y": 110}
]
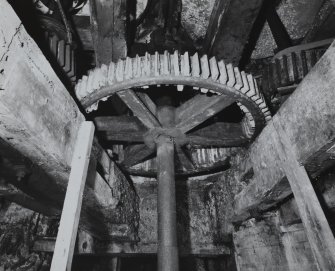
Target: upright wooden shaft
[{"x": 166, "y": 206}]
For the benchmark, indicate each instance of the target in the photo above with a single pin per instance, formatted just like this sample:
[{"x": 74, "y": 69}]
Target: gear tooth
[
  {"x": 104, "y": 75},
  {"x": 95, "y": 81},
  {"x": 119, "y": 73},
  {"x": 93, "y": 107},
  {"x": 256, "y": 87},
  {"x": 203, "y": 90},
  {"x": 180, "y": 87},
  {"x": 239, "y": 84},
  {"x": 89, "y": 85},
  {"x": 175, "y": 63},
  {"x": 185, "y": 64},
  {"x": 252, "y": 89},
  {"x": 147, "y": 64},
  {"x": 77, "y": 89},
  {"x": 128, "y": 69},
  {"x": 82, "y": 90},
  {"x": 195, "y": 65},
  {"x": 156, "y": 64},
  {"x": 245, "y": 82},
  {"x": 111, "y": 73},
  {"x": 166, "y": 63},
  {"x": 137, "y": 67},
  {"x": 223, "y": 72},
  {"x": 214, "y": 68},
  {"x": 231, "y": 75},
  {"x": 204, "y": 67}
]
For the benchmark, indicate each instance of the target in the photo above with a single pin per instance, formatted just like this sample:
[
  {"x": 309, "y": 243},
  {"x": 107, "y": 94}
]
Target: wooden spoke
[
  {"x": 148, "y": 102},
  {"x": 184, "y": 158},
  {"x": 136, "y": 154},
  {"x": 198, "y": 109},
  {"x": 219, "y": 134},
  {"x": 120, "y": 128},
  {"x": 139, "y": 109}
]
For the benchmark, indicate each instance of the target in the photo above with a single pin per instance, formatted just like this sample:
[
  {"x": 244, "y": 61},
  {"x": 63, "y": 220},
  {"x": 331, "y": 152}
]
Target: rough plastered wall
[{"x": 271, "y": 244}]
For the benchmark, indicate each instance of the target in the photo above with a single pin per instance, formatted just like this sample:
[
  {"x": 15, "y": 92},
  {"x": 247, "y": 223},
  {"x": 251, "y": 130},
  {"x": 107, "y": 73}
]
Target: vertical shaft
[{"x": 166, "y": 206}]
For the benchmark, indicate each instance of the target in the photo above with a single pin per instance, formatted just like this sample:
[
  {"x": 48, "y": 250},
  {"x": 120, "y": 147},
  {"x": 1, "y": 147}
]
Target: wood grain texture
[{"x": 68, "y": 225}]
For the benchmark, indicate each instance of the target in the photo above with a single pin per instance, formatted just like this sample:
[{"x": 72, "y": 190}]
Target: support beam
[
  {"x": 108, "y": 23},
  {"x": 308, "y": 116},
  {"x": 229, "y": 28},
  {"x": 40, "y": 121},
  {"x": 68, "y": 226},
  {"x": 166, "y": 207},
  {"x": 318, "y": 231}
]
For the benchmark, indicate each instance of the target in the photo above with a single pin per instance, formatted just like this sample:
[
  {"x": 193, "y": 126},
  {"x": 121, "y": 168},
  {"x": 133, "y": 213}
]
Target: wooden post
[
  {"x": 318, "y": 232},
  {"x": 166, "y": 206},
  {"x": 67, "y": 232}
]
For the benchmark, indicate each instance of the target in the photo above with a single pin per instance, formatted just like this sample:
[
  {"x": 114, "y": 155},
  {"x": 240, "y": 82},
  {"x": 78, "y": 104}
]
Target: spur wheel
[{"x": 218, "y": 84}]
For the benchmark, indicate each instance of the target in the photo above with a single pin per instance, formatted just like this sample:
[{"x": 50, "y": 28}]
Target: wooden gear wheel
[{"x": 219, "y": 85}]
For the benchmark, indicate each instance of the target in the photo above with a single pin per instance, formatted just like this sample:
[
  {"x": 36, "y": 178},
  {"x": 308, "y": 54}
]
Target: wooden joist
[
  {"x": 39, "y": 119},
  {"x": 308, "y": 118},
  {"x": 318, "y": 231},
  {"x": 302, "y": 129},
  {"x": 229, "y": 28}
]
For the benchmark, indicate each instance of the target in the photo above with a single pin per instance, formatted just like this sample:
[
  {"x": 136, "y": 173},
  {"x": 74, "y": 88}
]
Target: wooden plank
[
  {"x": 138, "y": 108},
  {"x": 229, "y": 29},
  {"x": 198, "y": 109},
  {"x": 108, "y": 22},
  {"x": 318, "y": 231},
  {"x": 308, "y": 116},
  {"x": 67, "y": 231}
]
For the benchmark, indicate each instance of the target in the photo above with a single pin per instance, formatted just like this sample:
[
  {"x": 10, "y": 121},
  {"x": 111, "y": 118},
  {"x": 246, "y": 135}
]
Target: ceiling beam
[
  {"x": 229, "y": 28},
  {"x": 308, "y": 119},
  {"x": 108, "y": 27}
]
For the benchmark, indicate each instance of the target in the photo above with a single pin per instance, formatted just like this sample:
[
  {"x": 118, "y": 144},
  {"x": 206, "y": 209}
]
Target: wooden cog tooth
[
  {"x": 81, "y": 92},
  {"x": 111, "y": 73},
  {"x": 185, "y": 64},
  {"x": 195, "y": 65},
  {"x": 104, "y": 75},
  {"x": 204, "y": 67},
  {"x": 119, "y": 73},
  {"x": 95, "y": 79},
  {"x": 147, "y": 64},
  {"x": 223, "y": 72},
  {"x": 137, "y": 67},
  {"x": 245, "y": 82},
  {"x": 203, "y": 90},
  {"x": 214, "y": 68},
  {"x": 77, "y": 88},
  {"x": 231, "y": 75},
  {"x": 89, "y": 85},
  {"x": 156, "y": 64},
  {"x": 238, "y": 85},
  {"x": 252, "y": 88},
  {"x": 128, "y": 69},
  {"x": 175, "y": 63},
  {"x": 166, "y": 63}
]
